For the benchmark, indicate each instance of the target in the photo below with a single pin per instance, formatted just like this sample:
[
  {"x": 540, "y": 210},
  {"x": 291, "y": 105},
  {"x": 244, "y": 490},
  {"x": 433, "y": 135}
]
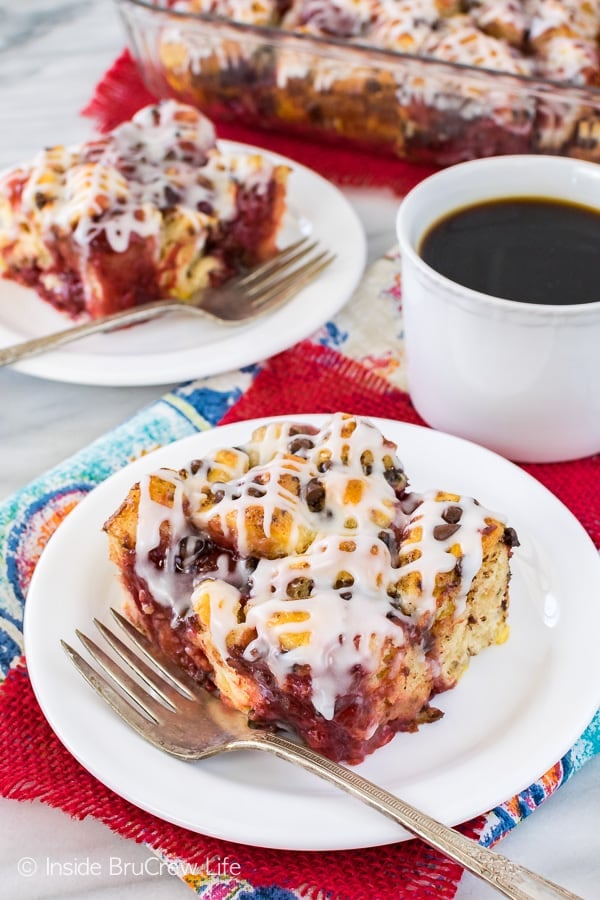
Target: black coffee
[{"x": 530, "y": 249}]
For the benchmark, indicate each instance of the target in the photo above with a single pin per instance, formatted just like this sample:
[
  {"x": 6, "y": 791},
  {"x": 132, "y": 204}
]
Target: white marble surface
[{"x": 51, "y": 55}]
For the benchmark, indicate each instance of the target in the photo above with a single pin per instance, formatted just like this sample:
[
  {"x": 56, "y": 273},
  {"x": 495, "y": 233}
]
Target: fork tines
[
  {"x": 275, "y": 281},
  {"x": 147, "y": 711}
]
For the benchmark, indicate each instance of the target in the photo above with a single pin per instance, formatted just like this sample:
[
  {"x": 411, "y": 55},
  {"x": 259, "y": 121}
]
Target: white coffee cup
[{"x": 520, "y": 378}]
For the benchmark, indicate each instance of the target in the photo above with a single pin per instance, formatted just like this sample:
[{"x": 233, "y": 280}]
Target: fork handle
[
  {"x": 508, "y": 877},
  {"x": 133, "y": 316}
]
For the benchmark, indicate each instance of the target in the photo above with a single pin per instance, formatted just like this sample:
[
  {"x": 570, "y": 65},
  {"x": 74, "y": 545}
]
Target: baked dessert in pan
[
  {"x": 301, "y": 577},
  {"x": 465, "y": 108}
]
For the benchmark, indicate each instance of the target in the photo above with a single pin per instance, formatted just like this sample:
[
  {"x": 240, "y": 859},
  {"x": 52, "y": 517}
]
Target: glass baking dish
[{"x": 412, "y": 107}]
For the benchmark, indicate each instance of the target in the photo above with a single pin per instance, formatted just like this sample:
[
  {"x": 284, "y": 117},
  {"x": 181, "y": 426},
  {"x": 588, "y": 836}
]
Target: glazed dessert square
[
  {"x": 154, "y": 209},
  {"x": 300, "y": 577}
]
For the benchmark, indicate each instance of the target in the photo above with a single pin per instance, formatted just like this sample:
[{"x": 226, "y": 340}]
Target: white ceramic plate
[
  {"x": 178, "y": 347},
  {"x": 517, "y": 709}
]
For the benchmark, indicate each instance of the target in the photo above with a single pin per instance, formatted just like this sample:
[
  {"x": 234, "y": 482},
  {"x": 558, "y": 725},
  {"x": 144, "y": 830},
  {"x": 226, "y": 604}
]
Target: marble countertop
[{"x": 51, "y": 56}]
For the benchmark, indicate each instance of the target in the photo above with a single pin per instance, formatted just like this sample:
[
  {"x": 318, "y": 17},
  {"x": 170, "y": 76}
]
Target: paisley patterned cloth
[{"x": 355, "y": 361}]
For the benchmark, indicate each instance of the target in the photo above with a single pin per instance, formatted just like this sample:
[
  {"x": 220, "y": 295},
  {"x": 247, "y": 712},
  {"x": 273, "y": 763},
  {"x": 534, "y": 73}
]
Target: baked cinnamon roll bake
[
  {"x": 301, "y": 578},
  {"x": 153, "y": 209}
]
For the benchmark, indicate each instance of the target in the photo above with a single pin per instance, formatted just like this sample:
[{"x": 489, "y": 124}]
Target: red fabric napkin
[{"x": 121, "y": 92}]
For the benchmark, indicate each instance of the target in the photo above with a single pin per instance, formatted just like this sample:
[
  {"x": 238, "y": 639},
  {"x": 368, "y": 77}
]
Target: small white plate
[
  {"x": 516, "y": 711},
  {"x": 179, "y": 347}
]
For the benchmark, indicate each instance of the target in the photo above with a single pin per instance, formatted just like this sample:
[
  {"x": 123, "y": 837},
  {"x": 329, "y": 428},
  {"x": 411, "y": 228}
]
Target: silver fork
[
  {"x": 183, "y": 719},
  {"x": 241, "y": 299}
]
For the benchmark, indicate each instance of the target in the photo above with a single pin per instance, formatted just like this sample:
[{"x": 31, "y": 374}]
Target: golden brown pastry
[
  {"x": 153, "y": 209},
  {"x": 301, "y": 578}
]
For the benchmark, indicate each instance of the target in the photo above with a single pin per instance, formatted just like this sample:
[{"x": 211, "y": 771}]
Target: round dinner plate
[
  {"x": 178, "y": 347},
  {"x": 515, "y": 712}
]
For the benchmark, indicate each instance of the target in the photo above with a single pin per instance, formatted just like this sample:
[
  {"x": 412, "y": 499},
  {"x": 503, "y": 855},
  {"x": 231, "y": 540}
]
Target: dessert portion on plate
[
  {"x": 466, "y": 107},
  {"x": 300, "y": 577},
  {"x": 153, "y": 209}
]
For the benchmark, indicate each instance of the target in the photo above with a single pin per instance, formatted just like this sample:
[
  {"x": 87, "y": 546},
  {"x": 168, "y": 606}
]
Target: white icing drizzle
[
  {"x": 225, "y": 599},
  {"x": 352, "y": 495},
  {"x": 185, "y": 49},
  {"x": 332, "y": 604},
  {"x": 569, "y": 59},
  {"x": 124, "y": 184},
  {"x": 434, "y": 553},
  {"x": 504, "y": 16},
  {"x": 404, "y": 25},
  {"x": 578, "y": 18},
  {"x": 324, "y": 73},
  {"x": 343, "y": 631},
  {"x": 460, "y": 42},
  {"x": 257, "y": 12},
  {"x": 340, "y": 18},
  {"x": 164, "y": 584},
  {"x": 239, "y": 497},
  {"x": 272, "y": 439}
]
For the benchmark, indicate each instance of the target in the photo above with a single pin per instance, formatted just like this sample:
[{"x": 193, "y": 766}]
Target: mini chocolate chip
[
  {"x": 443, "y": 532},
  {"x": 346, "y": 595},
  {"x": 172, "y": 197},
  {"x": 343, "y": 579},
  {"x": 255, "y": 492},
  {"x": 300, "y": 588},
  {"x": 300, "y": 428},
  {"x": 195, "y": 465},
  {"x": 324, "y": 465},
  {"x": 387, "y": 538},
  {"x": 188, "y": 551},
  {"x": 40, "y": 199},
  {"x": 395, "y": 476},
  {"x": 315, "y": 495},
  {"x": 300, "y": 443},
  {"x": 452, "y": 514},
  {"x": 366, "y": 461},
  {"x": 511, "y": 538}
]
